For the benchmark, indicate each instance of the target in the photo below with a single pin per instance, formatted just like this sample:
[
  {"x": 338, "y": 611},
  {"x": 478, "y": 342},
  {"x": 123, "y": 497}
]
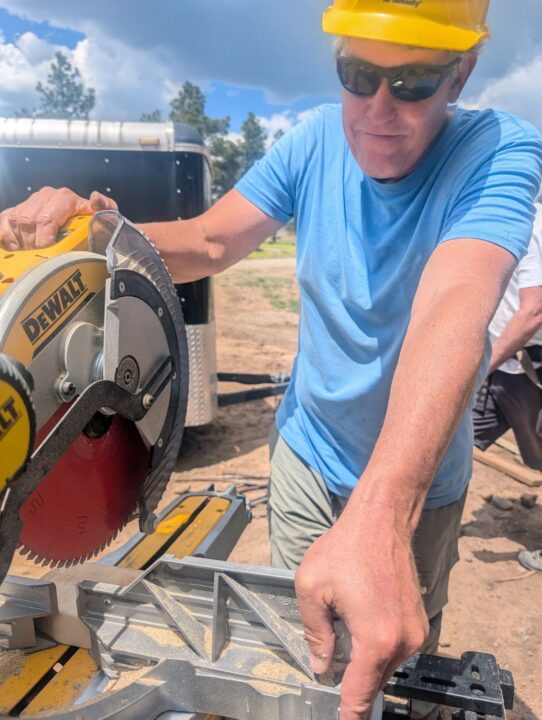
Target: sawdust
[
  {"x": 267, "y": 687},
  {"x": 162, "y": 636},
  {"x": 275, "y": 673},
  {"x": 278, "y": 670},
  {"x": 11, "y": 663},
  {"x": 208, "y": 642},
  {"x": 127, "y": 677}
]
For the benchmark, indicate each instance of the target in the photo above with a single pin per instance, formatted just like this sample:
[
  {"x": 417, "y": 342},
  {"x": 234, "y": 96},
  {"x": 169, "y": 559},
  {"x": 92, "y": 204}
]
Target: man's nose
[{"x": 382, "y": 106}]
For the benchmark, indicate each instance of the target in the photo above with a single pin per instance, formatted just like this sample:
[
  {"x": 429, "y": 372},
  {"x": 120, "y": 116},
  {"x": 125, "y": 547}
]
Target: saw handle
[{"x": 72, "y": 236}]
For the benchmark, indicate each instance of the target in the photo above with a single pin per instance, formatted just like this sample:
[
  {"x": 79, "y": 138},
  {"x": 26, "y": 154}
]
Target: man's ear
[{"x": 461, "y": 75}]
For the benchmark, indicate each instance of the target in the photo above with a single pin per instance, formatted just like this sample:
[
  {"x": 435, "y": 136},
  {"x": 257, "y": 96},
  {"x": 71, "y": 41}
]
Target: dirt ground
[{"x": 494, "y": 604}]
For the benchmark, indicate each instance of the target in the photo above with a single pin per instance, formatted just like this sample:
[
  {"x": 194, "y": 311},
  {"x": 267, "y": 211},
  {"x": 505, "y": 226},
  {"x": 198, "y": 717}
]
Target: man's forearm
[
  {"x": 227, "y": 232},
  {"x": 183, "y": 246},
  {"x": 432, "y": 384},
  {"x": 515, "y": 336}
]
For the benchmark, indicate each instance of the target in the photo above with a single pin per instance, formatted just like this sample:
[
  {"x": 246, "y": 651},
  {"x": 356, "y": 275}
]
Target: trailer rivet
[{"x": 122, "y": 287}]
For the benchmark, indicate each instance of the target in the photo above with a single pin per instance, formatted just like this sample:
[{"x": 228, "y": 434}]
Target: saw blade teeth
[
  {"x": 35, "y": 557},
  {"x": 44, "y": 561}
]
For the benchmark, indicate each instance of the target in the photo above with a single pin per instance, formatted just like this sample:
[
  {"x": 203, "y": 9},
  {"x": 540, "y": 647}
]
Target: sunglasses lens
[
  {"x": 415, "y": 84},
  {"x": 356, "y": 78}
]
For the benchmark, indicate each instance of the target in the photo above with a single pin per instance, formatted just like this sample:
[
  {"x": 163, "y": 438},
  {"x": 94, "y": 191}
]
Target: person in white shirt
[{"x": 512, "y": 395}]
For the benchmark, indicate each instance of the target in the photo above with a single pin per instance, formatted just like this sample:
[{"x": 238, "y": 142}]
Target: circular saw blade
[{"x": 90, "y": 494}]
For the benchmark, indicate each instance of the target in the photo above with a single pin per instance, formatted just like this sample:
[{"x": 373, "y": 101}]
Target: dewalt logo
[
  {"x": 8, "y": 416},
  {"x": 50, "y": 312}
]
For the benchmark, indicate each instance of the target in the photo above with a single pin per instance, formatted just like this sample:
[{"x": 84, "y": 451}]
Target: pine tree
[
  {"x": 253, "y": 143},
  {"x": 227, "y": 165},
  {"x": 154, "y": 116},
  {"x": 63, "y": 96},
  {"x": 189, "y": 107}
]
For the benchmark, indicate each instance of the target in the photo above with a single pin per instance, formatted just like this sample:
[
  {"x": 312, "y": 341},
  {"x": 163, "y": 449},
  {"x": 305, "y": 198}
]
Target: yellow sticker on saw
[
  {"x": 15, "y": 432},
  {"x": 52, "y": 304}
]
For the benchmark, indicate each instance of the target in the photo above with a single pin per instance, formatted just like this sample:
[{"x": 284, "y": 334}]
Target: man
[
  {"x": 512, "y": 395},
  {"x": 410, "y": 220}
]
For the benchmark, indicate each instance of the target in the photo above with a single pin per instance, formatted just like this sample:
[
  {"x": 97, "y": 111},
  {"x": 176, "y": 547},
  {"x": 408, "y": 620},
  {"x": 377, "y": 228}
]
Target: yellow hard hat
[{"x": 440, "y": 24}]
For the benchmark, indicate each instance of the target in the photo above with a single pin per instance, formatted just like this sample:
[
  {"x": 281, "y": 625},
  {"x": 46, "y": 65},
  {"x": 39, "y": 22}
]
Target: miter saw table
[{"x": 193, "y": 636}]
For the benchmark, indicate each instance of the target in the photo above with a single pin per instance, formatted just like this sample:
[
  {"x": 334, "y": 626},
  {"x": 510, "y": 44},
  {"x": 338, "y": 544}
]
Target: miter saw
[{"x": 93, "y": 389}]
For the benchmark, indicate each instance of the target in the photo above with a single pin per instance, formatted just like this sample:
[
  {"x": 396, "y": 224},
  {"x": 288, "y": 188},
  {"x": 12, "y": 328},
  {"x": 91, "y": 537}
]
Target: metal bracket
[
  {"x": 220, "y": 638},
  {"x": 227, "y": 639},
  {"x": 24, "y": 600}
]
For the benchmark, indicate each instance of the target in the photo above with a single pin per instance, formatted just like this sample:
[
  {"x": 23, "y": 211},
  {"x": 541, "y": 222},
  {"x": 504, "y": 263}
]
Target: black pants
[{"x": 510, "y": 401}]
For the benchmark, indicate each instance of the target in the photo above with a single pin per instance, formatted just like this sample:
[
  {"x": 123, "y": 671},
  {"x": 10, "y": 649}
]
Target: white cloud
[
  {"x": 517, "y": 92},
  {"x": 235, "y": 137},
  {"x": 279, "y": 121},
  {"x": 35, "y": 49},
  {"x": 22, "y": 64},
  {"x": 127, "y": 80}
]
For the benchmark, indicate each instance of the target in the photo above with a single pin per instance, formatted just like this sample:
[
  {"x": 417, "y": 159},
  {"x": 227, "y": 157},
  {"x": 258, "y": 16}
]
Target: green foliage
[
  {"x": 253, "y": 143},
  {"x": 281, "y": 292},
  {"x": 231, "y": 158},
  {"x": 283, "y": 246},
  {"x": 227, "y": 165},
  {"x": 189, "y": 107},
  {"x": 63, "y": 96},
  {"x": 154, "y": 116}
]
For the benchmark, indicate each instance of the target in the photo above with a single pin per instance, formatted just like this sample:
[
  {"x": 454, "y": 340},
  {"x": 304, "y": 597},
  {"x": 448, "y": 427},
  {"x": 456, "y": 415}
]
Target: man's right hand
[{"x": 35, "y": 223}]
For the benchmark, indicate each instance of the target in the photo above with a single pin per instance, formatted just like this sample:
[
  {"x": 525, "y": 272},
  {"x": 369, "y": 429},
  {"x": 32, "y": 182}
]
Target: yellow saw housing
[
  {"x": 73, "y": 236},
  {"x": 17, "y": 421}
]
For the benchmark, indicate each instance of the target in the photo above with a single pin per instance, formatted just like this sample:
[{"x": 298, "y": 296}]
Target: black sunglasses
[{"x": 409, "y": 83}]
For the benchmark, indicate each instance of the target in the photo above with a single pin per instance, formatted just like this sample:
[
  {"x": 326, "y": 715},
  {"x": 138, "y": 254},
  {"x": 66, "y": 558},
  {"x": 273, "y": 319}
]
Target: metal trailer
[{"x": 154, "y": 171}]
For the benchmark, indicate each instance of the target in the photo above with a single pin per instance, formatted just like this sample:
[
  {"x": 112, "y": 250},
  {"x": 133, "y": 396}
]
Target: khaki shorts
[{"x": 301, "y": 508}]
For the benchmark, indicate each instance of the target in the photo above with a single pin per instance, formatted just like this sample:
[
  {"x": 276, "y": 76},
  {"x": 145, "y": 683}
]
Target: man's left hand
[{"x": 363, "y": 571}]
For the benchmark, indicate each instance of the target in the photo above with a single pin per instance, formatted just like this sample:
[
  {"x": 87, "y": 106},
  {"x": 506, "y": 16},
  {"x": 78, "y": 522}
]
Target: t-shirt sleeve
[
  {"x": 495, "y": 202},
  {"x": 272, "y": 183}
]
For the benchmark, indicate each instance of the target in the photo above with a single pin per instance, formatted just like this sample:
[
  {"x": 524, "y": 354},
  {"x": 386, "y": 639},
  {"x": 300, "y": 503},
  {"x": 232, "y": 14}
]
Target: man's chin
[{"x": 383, "y": 169}]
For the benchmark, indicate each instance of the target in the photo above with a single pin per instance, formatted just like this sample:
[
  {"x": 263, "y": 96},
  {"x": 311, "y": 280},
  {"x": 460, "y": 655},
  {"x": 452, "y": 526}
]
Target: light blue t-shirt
[{"x": 361, "y": 248}]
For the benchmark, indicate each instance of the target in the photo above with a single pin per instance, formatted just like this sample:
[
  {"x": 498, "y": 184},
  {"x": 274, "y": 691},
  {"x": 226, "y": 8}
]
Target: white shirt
[{"x": 527, "y": 274}]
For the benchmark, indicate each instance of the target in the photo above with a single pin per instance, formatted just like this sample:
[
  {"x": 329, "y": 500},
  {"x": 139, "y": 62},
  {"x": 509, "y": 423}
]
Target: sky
[{"x": 265, "y": 56}]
